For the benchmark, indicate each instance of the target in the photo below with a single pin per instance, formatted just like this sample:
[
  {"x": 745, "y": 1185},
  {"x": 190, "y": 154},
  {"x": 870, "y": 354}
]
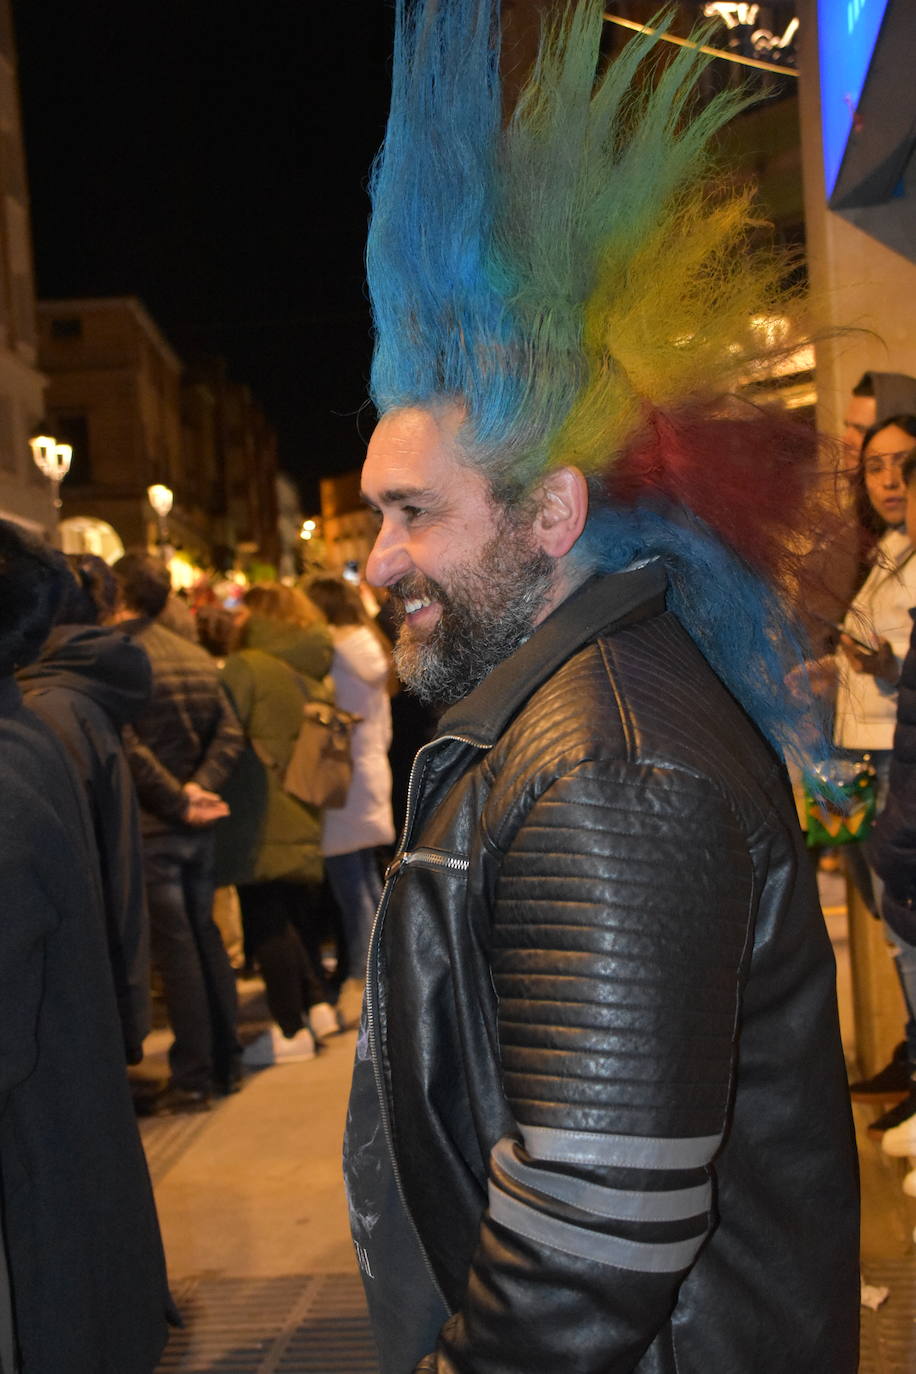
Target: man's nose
[{"x": 388, "y": 559}]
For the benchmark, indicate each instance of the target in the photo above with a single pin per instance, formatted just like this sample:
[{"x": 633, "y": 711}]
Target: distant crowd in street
[
  {"x": 150, "y": 849},
  {"x": 150, "y": 839}
]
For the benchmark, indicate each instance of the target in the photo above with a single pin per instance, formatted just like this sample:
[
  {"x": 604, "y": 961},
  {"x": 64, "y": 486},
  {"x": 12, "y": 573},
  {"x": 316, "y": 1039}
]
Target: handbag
[
  {"x": 320, "y": 767},
  {"x": 840, "y": 801}
]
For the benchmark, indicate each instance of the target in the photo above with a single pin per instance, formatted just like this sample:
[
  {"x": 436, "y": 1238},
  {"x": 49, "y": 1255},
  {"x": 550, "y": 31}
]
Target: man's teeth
[{"x": 415, "y": 605}]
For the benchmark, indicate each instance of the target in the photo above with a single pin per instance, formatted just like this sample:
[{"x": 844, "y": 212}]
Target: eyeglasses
[{"x": 886, "y": 462}]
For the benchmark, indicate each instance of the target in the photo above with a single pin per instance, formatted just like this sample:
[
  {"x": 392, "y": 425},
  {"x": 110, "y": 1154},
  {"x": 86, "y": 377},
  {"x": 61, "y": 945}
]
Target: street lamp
[
  {"x": 53, "y": 461},
  {"x": 160, "y": 498}
]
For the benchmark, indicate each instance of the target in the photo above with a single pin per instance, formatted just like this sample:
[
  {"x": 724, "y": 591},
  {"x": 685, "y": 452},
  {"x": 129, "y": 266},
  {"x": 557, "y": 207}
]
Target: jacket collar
[{"x": 600, "y": 604}]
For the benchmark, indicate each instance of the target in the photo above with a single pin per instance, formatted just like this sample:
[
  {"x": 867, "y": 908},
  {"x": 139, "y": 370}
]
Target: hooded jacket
[
  {"x": 269, "y": 834},
  {"x": 85, "y": 1258},
  {"x": 895, "y": 394},
  {"x": 599, "y": 1117},
  {"x": 88, "y": 683}
]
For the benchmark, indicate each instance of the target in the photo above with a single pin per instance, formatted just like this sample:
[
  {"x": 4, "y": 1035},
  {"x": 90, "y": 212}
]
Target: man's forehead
[{"x": 413, "y": 453}]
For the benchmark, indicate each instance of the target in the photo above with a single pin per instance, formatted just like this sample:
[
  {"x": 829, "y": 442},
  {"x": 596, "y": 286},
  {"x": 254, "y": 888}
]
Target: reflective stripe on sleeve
[
  {"x": 619, "y": 1151},
  {"x": 674, "y": 1205},
  {"x": 657, "y": 1257}
]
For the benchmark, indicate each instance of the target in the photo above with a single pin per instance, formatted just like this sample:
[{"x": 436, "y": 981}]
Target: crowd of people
[
  {"x": 599, "y": 1115},
  {"x": 142, "y": 780}
]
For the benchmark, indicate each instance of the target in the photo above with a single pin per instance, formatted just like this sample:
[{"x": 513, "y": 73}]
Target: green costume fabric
[{"x": 270, "y": 835}]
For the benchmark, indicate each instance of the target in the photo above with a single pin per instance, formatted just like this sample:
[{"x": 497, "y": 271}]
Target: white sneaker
[
  {"x": 301, "y": 1046},
  {"x": 272, "y": 1047},
  {"x": 323, "y": 1020},
  {"x": 901, "y": 1140},
  {"x": 909, "y": 1184}
]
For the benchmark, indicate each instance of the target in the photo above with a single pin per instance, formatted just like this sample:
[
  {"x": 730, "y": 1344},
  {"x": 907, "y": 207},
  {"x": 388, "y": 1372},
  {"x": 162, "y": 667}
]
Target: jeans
[
  {"x": 281, "y": 933},
  {"x": 905, "y": 961},
  {"x": 188, "y": 951},
  {"x": 357, "y": 889}
]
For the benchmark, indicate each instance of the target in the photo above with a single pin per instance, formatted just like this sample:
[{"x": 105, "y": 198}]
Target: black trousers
[
  {"x": 282, "y": 933},
  {"x": 188, "y": 950}
]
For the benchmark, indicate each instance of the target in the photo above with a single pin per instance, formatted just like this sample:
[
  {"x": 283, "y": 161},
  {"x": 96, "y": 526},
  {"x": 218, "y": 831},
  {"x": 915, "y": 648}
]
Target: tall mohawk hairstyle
[{"x": 588, "y": 291}]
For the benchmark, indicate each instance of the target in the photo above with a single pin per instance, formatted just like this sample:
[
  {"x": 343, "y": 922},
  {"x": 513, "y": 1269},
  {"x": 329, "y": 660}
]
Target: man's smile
[{"x": 421, "y": 613}]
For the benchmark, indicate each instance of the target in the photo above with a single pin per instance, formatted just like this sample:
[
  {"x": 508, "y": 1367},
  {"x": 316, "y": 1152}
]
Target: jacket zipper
[
  {"x": 402, "y": 857},
  {"x": 432, "y": 857}
]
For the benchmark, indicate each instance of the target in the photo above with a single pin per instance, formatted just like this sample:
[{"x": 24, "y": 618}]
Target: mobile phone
[{"x": 841, "y": 630}]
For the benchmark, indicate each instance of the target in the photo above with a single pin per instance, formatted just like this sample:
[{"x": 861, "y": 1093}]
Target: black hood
[{"x": 103, "y": 664}]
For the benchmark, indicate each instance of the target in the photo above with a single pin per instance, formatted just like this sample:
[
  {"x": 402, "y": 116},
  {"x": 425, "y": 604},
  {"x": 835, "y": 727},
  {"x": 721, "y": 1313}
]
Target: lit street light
[
  {"x": 53, "y": 461},
  {"x": 160, "y": 498}
]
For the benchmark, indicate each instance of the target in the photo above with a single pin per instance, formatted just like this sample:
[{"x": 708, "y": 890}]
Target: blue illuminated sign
[{"x": 847, "y": 33}]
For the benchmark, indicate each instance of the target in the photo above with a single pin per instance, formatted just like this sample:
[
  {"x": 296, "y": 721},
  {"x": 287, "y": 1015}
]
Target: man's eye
[{"x": 411, "y": 512}]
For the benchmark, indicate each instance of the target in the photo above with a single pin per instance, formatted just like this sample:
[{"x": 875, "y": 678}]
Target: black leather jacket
[{"x": 602, "y": 1021}]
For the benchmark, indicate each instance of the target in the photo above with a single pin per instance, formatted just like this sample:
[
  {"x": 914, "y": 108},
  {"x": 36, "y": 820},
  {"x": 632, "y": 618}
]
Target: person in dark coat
[
  {"x": 87, "y": 683},
  {"x": 181, "y": 749},
  {"x": 84, "y": 1284}
]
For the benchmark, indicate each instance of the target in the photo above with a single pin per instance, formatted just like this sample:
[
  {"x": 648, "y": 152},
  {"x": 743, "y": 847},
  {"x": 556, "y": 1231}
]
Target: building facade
[
  {"x": 134, "y": 416},
  {"x": 348, "y": 528},
  {"x": 24, "y": 494}
]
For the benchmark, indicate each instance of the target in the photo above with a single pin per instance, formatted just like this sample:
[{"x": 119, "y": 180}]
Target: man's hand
[
  {"x": 202, "y": 807},
  {"x": 880, "y": 662}
]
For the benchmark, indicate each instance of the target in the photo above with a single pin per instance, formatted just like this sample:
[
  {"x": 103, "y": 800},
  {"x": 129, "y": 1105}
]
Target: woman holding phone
[
  {"x": 873, "y": 642},
  {"x": 876, "y": 630}
]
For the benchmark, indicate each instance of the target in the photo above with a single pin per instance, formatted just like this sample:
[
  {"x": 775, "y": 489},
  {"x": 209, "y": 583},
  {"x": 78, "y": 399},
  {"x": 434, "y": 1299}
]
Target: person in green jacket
[{"x": 269, "y": 846}]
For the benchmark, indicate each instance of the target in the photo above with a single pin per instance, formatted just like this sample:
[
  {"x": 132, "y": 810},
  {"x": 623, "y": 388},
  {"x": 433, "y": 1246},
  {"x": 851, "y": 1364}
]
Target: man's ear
[{"x": 562, "y": 510}]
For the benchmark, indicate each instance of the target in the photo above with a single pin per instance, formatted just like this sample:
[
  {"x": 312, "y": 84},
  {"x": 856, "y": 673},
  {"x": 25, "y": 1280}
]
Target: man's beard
[{"x": 487, "y": 611}]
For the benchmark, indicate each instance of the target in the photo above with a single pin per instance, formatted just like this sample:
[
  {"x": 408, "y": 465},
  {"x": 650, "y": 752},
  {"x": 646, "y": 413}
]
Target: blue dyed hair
[
  {"x": 737, "y": 619},
  {"x": 525, "y": 274}
]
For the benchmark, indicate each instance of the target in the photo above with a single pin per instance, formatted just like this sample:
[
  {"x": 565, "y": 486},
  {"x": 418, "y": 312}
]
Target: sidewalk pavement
[
  {"x": 254, "y": 1221},
  {"x": 888, "y": 1215}
]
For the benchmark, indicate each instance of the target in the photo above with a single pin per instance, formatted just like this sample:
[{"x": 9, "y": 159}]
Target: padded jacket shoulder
[{"x": 602, "y": 1007}]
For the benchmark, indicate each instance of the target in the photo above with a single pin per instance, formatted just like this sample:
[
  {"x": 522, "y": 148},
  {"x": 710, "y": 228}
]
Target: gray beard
[{"x": 487, "y": 613}]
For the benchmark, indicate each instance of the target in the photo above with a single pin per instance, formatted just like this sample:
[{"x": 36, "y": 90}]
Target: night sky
[{"x": 212, "y": 160}]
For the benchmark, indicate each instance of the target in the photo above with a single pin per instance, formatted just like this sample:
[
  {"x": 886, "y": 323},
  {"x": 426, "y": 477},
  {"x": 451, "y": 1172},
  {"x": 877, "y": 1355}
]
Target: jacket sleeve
[
  {"x": 621, "y": 926},
  {"x": 125, "y": 904},
  {"x": 158, "y": 790},
  {"x": 226, "y": 744},
  {"x": 891, "y": 848}
]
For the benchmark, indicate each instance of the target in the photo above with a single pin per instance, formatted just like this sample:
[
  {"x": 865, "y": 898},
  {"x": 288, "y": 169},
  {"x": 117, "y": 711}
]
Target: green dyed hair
[{"x": 564, "y": 276}]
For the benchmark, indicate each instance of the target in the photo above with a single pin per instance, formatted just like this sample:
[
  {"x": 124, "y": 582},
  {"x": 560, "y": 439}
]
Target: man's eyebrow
[{"x": 396, "y": 496}]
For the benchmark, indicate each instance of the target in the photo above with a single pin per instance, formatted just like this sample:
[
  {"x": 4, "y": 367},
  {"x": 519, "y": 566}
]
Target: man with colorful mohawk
[{"x": 599, "y": 1118}]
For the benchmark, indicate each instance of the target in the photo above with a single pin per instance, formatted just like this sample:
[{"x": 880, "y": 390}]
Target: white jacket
[
  {"x": 866, "y": 708},
  {"x": 360, "y": 673}
]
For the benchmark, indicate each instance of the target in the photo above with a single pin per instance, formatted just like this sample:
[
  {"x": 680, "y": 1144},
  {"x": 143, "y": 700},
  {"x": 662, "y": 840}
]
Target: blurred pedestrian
[
  {"x": 363, "y": 675},
  {"x": 270, "y": 845},
  {"x": 892, "y": 850},
  {"x": 83, "y": 1284},
  {"x": 868, "y": 663},
  {"x": 181, "y": 749},
  {"x": 88, "y": 682}
]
